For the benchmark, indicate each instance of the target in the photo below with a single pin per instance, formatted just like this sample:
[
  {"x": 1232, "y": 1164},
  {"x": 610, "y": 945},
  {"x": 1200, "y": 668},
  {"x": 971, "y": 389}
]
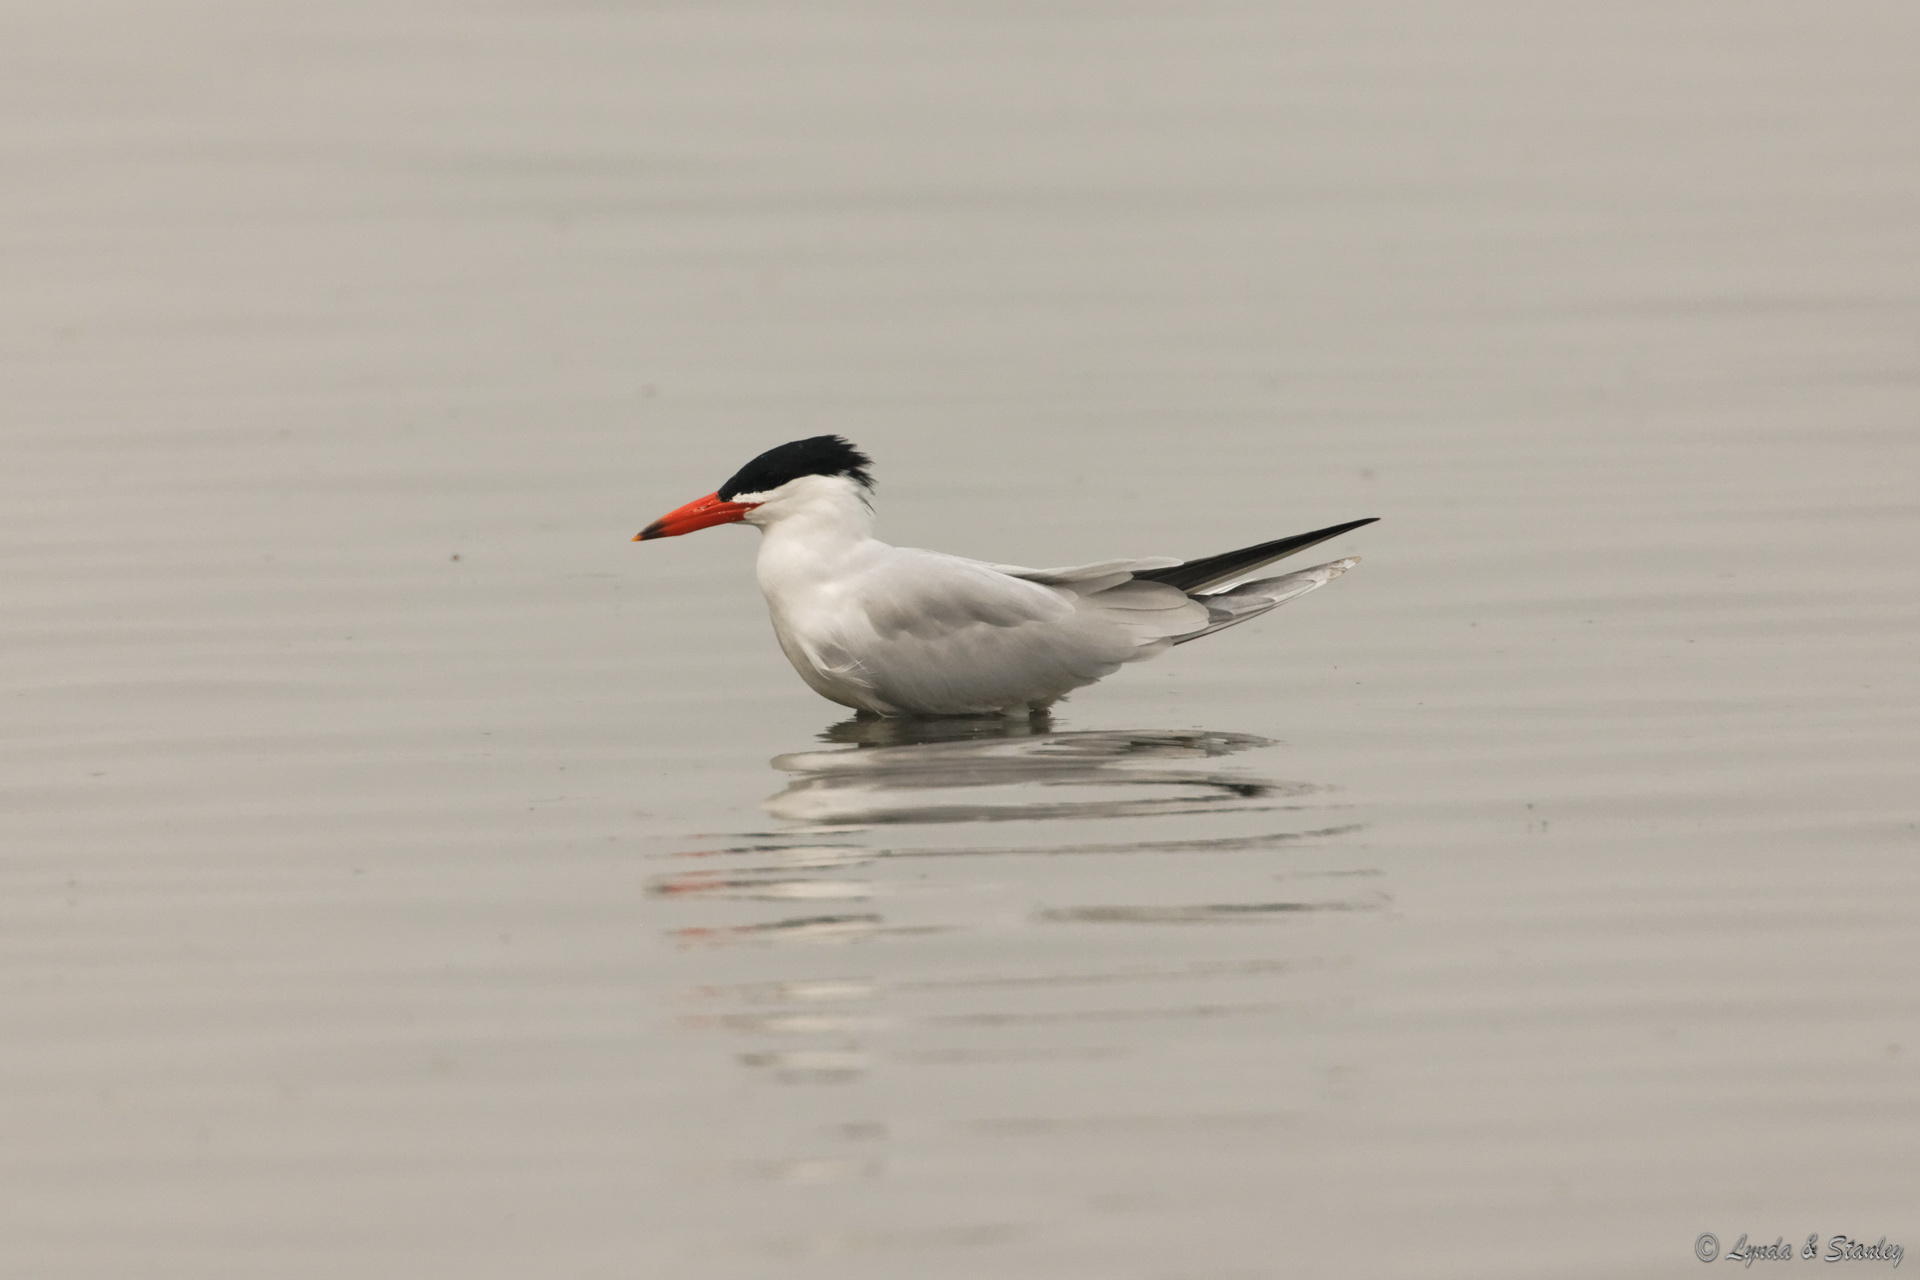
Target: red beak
[{"x": 701, "y": 513}]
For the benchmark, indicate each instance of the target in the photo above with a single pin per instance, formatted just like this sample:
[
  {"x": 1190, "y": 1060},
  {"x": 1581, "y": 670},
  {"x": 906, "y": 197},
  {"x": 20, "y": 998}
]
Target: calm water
[{"x": 404, "y": 874}]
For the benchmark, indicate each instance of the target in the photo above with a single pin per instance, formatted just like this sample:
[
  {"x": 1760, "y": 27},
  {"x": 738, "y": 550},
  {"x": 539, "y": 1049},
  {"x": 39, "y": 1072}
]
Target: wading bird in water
[{"x": 896, "y": 631}]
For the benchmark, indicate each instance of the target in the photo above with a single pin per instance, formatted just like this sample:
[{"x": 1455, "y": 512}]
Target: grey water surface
[{"x": 403, "y": 874}]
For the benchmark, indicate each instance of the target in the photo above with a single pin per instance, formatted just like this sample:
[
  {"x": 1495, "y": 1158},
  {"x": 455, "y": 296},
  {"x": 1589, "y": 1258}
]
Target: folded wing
[{"x": 940, "y": 634}]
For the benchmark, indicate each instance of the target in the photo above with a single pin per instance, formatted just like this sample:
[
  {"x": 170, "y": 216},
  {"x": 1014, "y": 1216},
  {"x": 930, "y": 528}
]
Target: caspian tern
[{"x": 896, "y": 631}]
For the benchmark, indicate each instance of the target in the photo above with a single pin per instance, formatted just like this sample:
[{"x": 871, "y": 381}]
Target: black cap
[{"x": 815, "y": 456}]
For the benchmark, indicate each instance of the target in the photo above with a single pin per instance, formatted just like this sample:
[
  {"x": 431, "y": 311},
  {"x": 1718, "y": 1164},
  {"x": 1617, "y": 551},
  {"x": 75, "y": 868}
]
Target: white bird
[{"x": 896, "y": 631}]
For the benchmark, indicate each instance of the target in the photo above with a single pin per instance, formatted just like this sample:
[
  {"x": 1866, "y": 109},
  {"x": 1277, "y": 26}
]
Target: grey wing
[
  {"x": 935, "y": 633},
  {"x": 1167, "y": 602},
  {"x": 1250, "y": 600},
  {"x": 1122, "y": 594},
  {"x": 1086, "y": 578},
  {"x": 945, "y": 634}
]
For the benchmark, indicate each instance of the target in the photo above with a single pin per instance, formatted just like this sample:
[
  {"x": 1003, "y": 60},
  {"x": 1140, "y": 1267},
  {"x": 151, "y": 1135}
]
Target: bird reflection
[
  {"x": 878, "y": 731},
  {"x": 900, "y": 771},
  {"x": 915, "y": 778},
  {"x": 883, "y": 837}
]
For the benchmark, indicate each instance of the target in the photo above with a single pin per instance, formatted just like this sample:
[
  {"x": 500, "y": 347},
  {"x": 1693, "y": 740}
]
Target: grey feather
[{"x": 1250, "y": 600}]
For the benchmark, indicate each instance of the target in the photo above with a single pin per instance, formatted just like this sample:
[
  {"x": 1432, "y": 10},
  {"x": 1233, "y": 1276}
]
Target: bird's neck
[{"x": 817, "y": 538}]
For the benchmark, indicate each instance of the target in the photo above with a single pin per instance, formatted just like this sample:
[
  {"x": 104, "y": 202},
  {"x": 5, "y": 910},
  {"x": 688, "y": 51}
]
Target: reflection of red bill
[{"x": 697, "y": 882}]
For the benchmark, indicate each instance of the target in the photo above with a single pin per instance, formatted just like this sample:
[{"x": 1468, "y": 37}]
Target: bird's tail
[{"x": 1251, "y": 599}]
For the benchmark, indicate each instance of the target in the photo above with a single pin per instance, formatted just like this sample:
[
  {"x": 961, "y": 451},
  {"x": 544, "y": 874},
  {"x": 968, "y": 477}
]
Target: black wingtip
[{"x": 1196, "y": 575}]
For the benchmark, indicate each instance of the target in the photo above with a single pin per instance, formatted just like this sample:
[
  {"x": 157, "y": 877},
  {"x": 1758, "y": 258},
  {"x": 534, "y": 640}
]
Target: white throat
[{"x": 815, "y": 532}]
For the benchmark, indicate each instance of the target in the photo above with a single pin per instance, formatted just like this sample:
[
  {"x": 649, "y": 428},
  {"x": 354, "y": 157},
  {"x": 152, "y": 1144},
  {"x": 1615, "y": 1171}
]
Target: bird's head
[{"x": 783, "y": 481}]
